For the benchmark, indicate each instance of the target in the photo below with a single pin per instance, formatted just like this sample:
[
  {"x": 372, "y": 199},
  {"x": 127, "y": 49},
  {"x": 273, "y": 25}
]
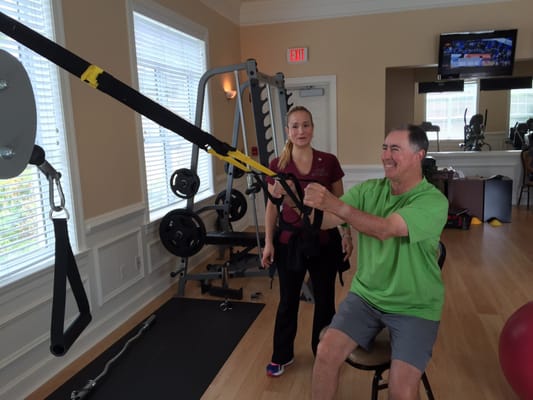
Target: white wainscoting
[
  {"x": 26, "y": 307},
  {"x": 123, "y": 268},
  {"x": 118, "y": 265}
]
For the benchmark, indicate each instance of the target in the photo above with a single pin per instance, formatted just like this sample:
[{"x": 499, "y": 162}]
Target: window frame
[
  {"x": 34, "y": 262},
  {"x": 452, "y": 138},
  {"x": 172, "y": 19},
  {"x": 513, "y": 119}
]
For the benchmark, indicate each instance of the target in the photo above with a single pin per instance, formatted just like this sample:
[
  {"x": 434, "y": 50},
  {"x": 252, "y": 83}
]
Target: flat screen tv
[{"x": 476, "y": 54}]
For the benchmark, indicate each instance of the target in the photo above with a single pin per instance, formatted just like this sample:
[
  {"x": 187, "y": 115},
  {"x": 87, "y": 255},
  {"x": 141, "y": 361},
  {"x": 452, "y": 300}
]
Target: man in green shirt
[{"x": 399, "y": 220}]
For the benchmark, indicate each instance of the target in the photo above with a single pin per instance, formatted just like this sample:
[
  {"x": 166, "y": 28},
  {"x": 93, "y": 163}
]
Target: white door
[{"x": 318, "y": 95}]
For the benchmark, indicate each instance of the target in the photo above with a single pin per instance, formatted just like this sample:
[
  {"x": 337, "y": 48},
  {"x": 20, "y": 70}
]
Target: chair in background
[
  {"x": 527, "y": 174},
  {"x": 378, "y": 359}
]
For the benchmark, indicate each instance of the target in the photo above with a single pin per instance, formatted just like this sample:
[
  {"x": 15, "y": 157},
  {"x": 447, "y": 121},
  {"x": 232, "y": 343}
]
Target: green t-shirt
[{"x": 400, "y": 275}]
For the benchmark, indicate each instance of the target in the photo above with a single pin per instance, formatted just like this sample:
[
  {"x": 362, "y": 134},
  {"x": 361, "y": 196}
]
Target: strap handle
[{"x": 66, "y": 268}]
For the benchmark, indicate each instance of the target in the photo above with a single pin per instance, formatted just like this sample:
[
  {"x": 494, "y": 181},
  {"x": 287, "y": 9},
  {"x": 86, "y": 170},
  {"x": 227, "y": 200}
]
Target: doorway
[
  {"x": 323, "y": 105},
  {"x": 319, "y": 95}
]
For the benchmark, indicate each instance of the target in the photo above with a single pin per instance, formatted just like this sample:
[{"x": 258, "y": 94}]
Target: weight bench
[
  {"x": 237, "y": 265},
  {"x": 239, "y": 261},
  {"x": 230, "y": 239}
]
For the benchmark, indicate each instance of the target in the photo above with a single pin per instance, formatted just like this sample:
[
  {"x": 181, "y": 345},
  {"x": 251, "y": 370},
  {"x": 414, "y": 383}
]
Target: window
[
  {"x": 521, "y": 108},
  {"x": 447, "y": 110},
  {"x": 170, "y": 64},
  {"x": 26, "y": 231}
]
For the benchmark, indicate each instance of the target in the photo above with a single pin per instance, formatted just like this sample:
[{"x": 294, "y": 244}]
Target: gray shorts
[{"x": 412, "y": 338}]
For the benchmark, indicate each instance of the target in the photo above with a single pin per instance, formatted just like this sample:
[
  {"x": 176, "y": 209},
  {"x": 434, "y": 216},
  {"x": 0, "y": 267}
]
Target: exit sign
[{"x": 297, "y": 55}]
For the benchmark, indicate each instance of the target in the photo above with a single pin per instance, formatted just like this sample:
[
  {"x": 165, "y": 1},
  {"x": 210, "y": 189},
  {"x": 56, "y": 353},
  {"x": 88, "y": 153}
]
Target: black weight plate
[
  {"x": 237, "y": 172},
  {"x": 182, "y": 232},
  {"x": 184, "y": 183},
  {"x": 237, "y": 204}
]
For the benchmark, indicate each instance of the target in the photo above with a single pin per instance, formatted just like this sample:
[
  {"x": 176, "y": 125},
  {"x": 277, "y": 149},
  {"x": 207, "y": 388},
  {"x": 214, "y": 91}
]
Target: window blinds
[
  {"x": 170, "y": 65},
  {"x": 26, "y": 231}
]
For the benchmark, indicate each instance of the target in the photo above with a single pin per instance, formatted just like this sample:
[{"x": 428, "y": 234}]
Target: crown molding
[{"x": 261, "y": 12}]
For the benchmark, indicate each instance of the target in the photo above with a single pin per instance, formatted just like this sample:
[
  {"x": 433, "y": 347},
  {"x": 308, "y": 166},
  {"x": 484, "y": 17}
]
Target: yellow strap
[
  {"x": 230, "y": 160},
  {"x": 251, "y": 162},
  {"x": 91, "y": 74}
]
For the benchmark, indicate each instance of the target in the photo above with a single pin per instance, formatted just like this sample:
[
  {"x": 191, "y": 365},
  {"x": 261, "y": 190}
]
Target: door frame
[{"x": 330, "y": 81}]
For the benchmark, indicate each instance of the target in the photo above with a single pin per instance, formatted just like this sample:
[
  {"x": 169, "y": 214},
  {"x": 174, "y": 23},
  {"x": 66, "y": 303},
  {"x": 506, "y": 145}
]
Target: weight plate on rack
[
  {"x": 182, "y": 232},
  {"x": 237, "y": 172},
  {"x": 237, "y": 204},
  {"x": 184, "y": 183}
]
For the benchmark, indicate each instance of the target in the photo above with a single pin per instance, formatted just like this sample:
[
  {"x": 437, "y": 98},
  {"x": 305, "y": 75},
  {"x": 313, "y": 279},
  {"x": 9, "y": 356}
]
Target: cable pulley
[
  {"x": 184, "y": 183},
  {"x": 182, "y": 232},
  {"x": 18, "y": 115},
  {"x": 237, "y": 204}
]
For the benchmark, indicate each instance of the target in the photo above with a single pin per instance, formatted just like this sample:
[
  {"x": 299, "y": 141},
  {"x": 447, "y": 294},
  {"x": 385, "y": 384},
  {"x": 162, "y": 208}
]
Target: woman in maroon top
[{"x": 306, "y": 165}]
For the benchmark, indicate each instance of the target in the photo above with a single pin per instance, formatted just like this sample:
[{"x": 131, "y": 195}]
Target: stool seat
[
  {"x": 377, "y": 359},
  {"x": 378, "y": 355}
]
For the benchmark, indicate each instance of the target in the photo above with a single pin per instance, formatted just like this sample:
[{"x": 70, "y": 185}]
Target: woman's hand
[
  {"x": 268, "y": 255},
  {"x": 279, "y": 191}
]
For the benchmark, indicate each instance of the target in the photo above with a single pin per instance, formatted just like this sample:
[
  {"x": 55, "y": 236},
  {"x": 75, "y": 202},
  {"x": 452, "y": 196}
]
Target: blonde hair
[{"x": 285, "y": 156}]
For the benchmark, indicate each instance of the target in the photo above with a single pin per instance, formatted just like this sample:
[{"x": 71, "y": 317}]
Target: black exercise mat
[{"x": 177, "y": 357}]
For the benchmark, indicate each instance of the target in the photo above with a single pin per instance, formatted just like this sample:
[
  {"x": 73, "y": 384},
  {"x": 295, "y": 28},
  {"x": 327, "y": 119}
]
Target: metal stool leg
[
  {"x": 427, "y": 387},
  {"x": 378, "y": 383},
  {"x": 375, "y": 385}
]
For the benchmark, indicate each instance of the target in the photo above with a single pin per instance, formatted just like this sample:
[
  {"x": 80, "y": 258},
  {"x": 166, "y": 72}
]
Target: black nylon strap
[
  {"x": 65, "y": 267},
  {"x": 110, "y": 85},
  {"x": 297, "y": 199}
]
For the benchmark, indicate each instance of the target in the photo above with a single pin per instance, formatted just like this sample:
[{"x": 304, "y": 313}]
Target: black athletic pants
[{"x": 323, "y": 272}]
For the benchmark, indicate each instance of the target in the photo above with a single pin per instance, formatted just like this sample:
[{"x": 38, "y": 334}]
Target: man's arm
[{"x": 337, "y": 212}]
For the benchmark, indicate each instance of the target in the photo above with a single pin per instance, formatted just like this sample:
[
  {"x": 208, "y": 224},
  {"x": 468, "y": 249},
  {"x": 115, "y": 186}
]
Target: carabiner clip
[{"x": 51, "y": 181}]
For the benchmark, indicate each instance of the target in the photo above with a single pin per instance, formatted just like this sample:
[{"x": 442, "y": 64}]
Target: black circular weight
[
  {"x": 184, "y": 183},
  {"x": 237, "y": 172},
  {"x": 182, "y": 232},
  {"x": 237, "y": 204}
]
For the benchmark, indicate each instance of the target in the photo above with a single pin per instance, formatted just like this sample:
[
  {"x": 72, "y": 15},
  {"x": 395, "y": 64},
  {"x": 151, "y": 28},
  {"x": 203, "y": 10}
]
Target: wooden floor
[{"x": 488, "y": 275}]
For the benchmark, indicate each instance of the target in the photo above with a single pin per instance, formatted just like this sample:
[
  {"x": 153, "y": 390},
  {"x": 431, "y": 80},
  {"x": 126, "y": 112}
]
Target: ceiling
[{"x": 258, "y": 12}]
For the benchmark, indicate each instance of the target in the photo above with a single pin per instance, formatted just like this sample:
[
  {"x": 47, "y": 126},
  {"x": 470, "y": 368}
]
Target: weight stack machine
[{"x": 182, "y": 231}]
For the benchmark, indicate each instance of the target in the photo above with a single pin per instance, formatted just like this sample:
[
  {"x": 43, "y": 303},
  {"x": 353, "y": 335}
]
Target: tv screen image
[{"x": 477, "y": 54}]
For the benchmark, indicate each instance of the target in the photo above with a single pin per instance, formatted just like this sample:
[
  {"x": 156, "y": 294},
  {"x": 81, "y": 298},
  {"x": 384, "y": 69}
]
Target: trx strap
[
  {"x": 298, "y": 201},
  {"x": 65, "y": 267},
  {"x": 97, "y": 78}
]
